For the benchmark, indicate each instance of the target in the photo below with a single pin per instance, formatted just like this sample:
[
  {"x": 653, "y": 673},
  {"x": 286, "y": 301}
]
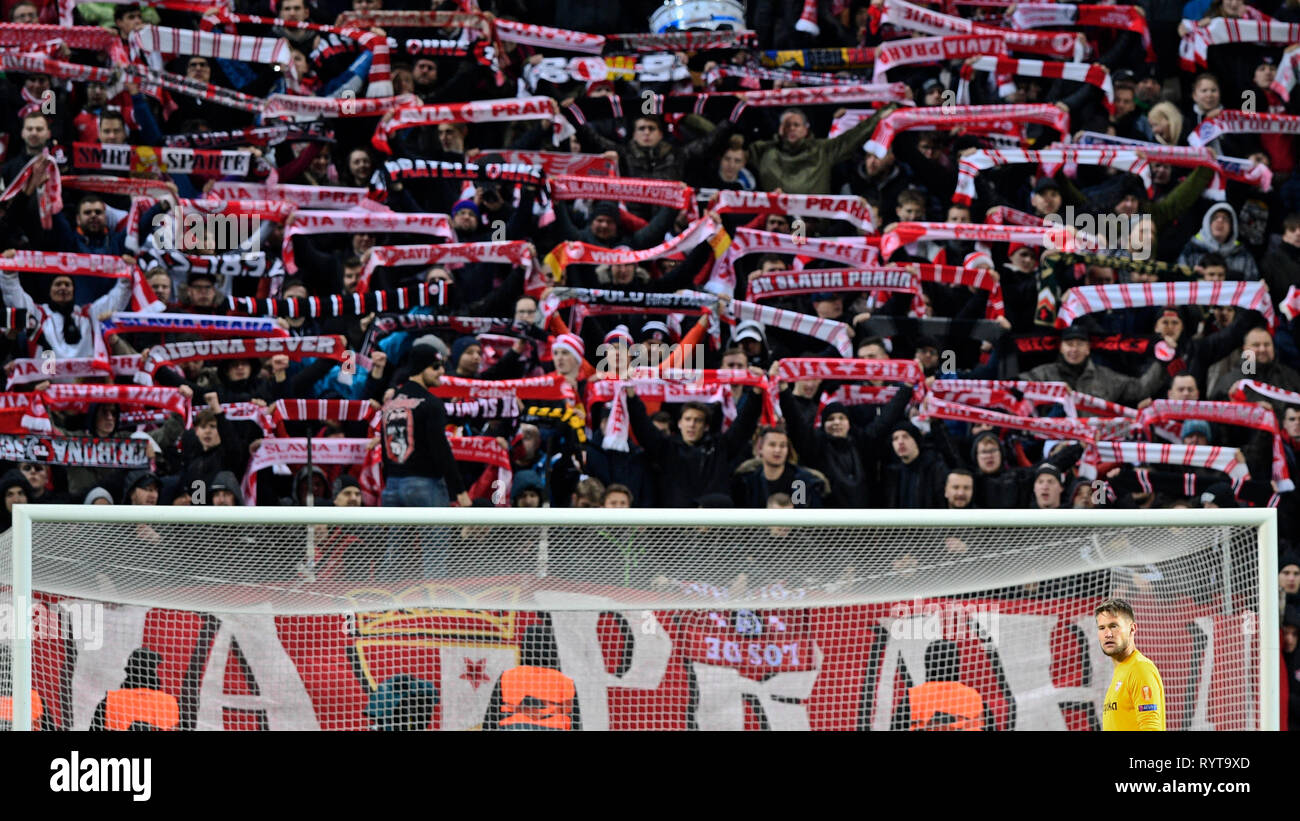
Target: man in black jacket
[
  {"x": 694, "y": 462},
  {"x": 916, "y": 479},
  {"x": 419, "y": 469}
]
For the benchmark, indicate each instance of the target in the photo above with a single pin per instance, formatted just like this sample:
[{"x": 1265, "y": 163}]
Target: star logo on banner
[{"x": 474, "y": 672}]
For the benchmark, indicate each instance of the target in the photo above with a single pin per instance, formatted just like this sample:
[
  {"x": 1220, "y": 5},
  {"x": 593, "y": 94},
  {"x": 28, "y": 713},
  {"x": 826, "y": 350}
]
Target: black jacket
[
  {"x": 687, "y": 472},
  {"x": 415, "y": 438}
]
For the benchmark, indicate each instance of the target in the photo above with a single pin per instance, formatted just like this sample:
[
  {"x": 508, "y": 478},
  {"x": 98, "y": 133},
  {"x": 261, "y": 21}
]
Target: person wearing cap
[
  {"x": 915, "y": 478},
  {"x": 606, "y": 230},
  {"x": 849, "y": 456},
  {"x": 1046, "y": 197},
  {"x": 1074, "y": 366},
  {"x": 419, "y": 469},
  {"x": 15, "y": 490},
  {"x": 223, "y": 491},
  {"x": 467, "y": 222},
  {"x": 200, "y": 295},
  {"x": 1049, "y": 487},
  {"x": 347, "y": 491},
  {"x": 1195, "y": 432},
  {"x": 1288, "y": 577},
  {"x": 142, "y": 487},
  {"x": 98, "y": 496},
  {"x": 751, "y": 337}
]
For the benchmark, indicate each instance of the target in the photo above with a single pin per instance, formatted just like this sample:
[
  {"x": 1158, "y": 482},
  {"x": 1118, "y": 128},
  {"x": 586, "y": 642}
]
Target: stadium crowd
[{"x": 525, "y": 253}]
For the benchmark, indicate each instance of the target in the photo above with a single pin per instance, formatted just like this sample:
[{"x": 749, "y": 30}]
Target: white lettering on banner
[
  {"x": 582, "y": 658},
  {"x": 94, "y": 674},
  {"x": 722, "y": 692},
  {"x": 283, "y": 700}
]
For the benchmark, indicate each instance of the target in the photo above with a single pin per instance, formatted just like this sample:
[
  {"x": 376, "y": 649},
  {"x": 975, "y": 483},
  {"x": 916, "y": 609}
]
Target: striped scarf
[
  {"x": 1003, "y": 117},
  {"x": 506, "y": 252},
  {"x": 1051, "y": 160},
  {"x": 834, "y": 333},
  {"x": 1094, "y": 74},
  {"x": 1225, "y": 413},
  {"x": 1232, "y": 121},
  {"x": 859, "y": 252},
  {"x": 399, "y": 299},
  {"x": 482, "y": 111},
  {"x": 1253, "y": 27},
  {"x": 308, "y": 223},
  {"x": 848, "y": 208},
  {"x": 934, "y": 50},
  {"x": 1089, "y": 299},
  {"x": 1049, "y": 15},
  {"x": 915, "y": 18}
]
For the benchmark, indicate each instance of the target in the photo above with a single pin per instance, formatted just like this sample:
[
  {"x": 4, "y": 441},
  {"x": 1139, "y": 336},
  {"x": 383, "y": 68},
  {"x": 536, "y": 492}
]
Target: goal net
[{"x": 447, "y": 619}]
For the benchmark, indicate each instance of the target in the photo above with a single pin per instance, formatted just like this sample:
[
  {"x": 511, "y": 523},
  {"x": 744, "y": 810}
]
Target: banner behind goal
[{"x": 333, "y": 618}]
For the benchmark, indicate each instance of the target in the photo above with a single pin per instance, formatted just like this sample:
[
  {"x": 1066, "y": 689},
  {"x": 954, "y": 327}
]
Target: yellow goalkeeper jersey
[{"x": 1135, "y": 699}]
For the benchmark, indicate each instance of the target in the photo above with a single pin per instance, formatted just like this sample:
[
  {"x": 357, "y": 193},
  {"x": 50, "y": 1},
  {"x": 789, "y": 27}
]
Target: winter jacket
[
  {"x": 805, "y": 167},
  {"x": 1101, "y": 381},
  {"x": 750, "y": 487}
]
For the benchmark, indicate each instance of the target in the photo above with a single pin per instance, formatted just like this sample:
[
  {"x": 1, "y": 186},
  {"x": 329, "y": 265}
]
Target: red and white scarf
[
  {"x": 30, "y": 62},
  {"x": 554, "y": 163},
  {"x": 834, "y": 333},
  {"x": 123, "y": 322},
  {"x": 906, "y": 233},
  {"x": 482, "y": 111},
  {"x": 59, "y": 262},
  {"x": 1287, "y": 72},
  {"x": 119, "y": 185},
  {"x": 1005, "y": 215},
  {"x": 56, "y": 369},
  {"x": 934, "y": 50},
  {"x": 551, "y": 387},
  {"x": 1232, "y": 121},
  {"x": 858, "y": 252},
  {"x": 851, "y": 209},
  {"x": 1238, "y": 392},
  {"x": 49, "y": 195},
  {"x": 1051, "y": 160},
  {"x": 799, "y": 369},
  {"x": 1193, "y": 50},
  {"x": 330, "y": 450},
  {"x": 486, "y": 450},
  {"x": 584, "y": 253},
  {"x": 1000, "y": 117},
  {"x": 431, "y": 294},
  {"x": 340, "y": 410},
  {"x": 1067, "y": 15},
  {"x": 673, "y": 385},
  {"x": 302, "y": 196},
  {"x": 164, "y": 160},
  {"x": 829, "y": 95},
  {"x": 1233, "y": 168},
  {"x": 506, "y": 252},
  {"x": 1212, "y": 457},
  {"x": 1094, "y": 74},
  {"x": 687, "y": 41},
  {"x": 1225, "y": 413},
  {"x": 1044, "y": 427},
  {"x": 75, "y": 451},
  {"x": 778, "y": 284},
  {"x": 753, "y": 75},
  {"x": 311, "y": 108},
  {"x": 512, "y": 31},
  {"x": 155, "y": 41},
  {"x": 488, "y": 50},
  {"x": 667, "y": 193},
  {"x": 80, "y": 397},
  {"x": 1089, "y": 299},
  {"x": 379, "y": 80},
  {"x": 85, "y": 38},
  {"x": 153, "y": 82},
  {"x": 356, "y": 222},
  {"x": 294, "y": 347},
  {"x": 915, "y": 18}
]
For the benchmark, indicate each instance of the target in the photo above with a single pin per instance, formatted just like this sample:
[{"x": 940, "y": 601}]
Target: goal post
[{"x": 851, "y": 602}]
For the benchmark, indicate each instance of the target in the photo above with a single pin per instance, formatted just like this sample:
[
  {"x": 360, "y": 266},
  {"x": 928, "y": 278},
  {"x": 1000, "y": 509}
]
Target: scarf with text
[
  {"x": 1224, "y": 413},
  {"x": 903, "y": 15},
  {"x": 324, "y": 197},
  {"x": 507, "y": 252},
  {"x": 357, "y": 222},
  {"x": 550, "y": 387},
  {"x": 850, "y": 209},
  {"x": 483, "y": 111},
  {"x": 934, "y": 50},
  {"x": 260, "y": 136},
  {"x": 1090, "y": 299},
  {"x": 56, "y": 369},
  {"x": 674, "y": 41},
  {"x": 906, "y": 233},
  {"x": 125, "y": 322},
  {"x": 667, "y": 193},
  {"x": 906, "y": 371},
  {"x": 75, "y": 451},
  {"x": 311, "y": 108},
  {"x": 432, "y": 294},
  {"x": 118, "y": 185},
  {"x": 79, "y": 398},
  {"x": 294, "y": 347},
  {"x": 753, "y": 75},
  {"x": 487, "y": 50},
  {"x": 554, "y": 163},
  {"x": 1003, "y": 117},
  {"x": 232, "y": 264},
  {"x": 810, "y": 281},
  {"x": 142, "y": 159},
  {"x": 1047, "y": 15},
  {"x": 472, "y": 325},
  {"x": 1234, "y": 168},
  {"x": 652, "y": 68},
  {"x": 69, "y": 264},
  {"x": 274, "y": 451},
  {"x": 406, "y": 171}
]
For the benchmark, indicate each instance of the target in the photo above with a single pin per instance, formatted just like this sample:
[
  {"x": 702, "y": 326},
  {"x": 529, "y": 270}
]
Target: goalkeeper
[{"x": 1135, "y": 699}]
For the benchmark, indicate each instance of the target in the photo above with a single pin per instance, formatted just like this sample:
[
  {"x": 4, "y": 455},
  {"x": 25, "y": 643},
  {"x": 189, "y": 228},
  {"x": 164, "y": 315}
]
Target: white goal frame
[{"x": 1264, "y": 520}]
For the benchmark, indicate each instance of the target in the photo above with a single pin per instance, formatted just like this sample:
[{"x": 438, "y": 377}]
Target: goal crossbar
[{"x": 1262, "y": 520}]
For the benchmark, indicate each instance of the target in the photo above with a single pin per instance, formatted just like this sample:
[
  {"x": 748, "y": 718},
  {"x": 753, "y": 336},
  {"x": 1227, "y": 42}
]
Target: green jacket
[
  {"x": 1164, "y": 210},
  {"x": 101, "y": 14},
  {"x": 805, "y": 167}
]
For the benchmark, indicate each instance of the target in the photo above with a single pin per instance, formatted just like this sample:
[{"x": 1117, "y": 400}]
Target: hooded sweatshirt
[{"x": 1241, "y": 264}]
